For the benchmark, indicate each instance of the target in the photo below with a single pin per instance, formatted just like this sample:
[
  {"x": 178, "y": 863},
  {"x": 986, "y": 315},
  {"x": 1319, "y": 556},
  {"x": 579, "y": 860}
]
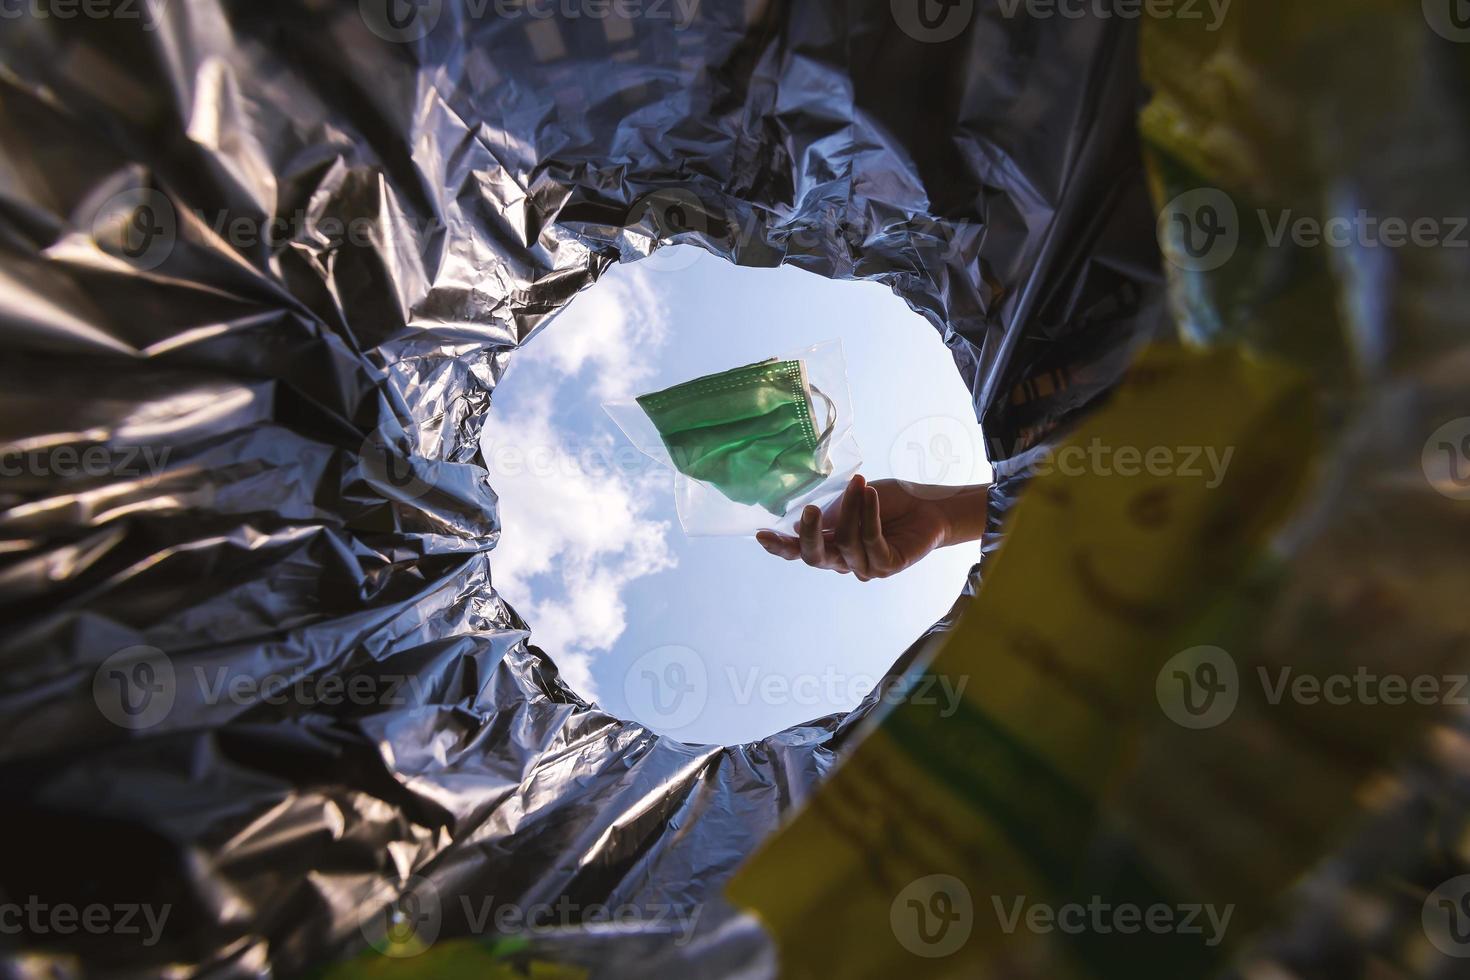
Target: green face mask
[{"x": 750, "y": 432}]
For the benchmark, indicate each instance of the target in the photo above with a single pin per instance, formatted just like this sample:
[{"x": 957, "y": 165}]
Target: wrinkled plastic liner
[{"x": 269, "y": 261}]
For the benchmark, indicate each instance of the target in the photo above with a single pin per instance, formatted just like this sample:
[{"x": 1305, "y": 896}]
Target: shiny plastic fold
[{"x": 262, "y": 265}]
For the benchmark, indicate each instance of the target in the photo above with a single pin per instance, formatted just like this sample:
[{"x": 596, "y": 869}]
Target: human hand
[{"x": 873, "y": 530}]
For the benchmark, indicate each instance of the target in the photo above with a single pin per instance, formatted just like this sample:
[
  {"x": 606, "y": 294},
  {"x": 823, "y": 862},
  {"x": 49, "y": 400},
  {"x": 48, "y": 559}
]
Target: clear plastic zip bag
[{"x": 750, "y": 446}]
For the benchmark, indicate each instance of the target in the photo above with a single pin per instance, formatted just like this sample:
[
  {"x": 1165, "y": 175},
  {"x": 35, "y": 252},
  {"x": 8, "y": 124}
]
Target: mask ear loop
[{"x": 826, "y": 437}]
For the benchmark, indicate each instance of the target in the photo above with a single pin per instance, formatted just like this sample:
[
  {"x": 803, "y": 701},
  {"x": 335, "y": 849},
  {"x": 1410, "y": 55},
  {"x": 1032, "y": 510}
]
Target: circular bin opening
[{"x": 711, "y": 639}]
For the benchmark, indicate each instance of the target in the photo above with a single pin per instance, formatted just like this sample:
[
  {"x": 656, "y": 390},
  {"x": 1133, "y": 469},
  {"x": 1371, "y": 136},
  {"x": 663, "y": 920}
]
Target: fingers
[
  {"x": 848, "y": 537},
  {"x": 880, "y": 556},
  {"x": 780, "y": 545},
  {"x": 813, "y": 548},
  {"x": 811, "y": 544}
]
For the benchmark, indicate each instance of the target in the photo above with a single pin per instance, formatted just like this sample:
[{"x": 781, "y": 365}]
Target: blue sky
[{"x": 592, "y": 553}]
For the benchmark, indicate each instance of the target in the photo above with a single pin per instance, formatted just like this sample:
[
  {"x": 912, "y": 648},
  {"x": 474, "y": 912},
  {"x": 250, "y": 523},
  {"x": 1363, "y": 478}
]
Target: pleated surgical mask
[{"x": 751, "y": 432}]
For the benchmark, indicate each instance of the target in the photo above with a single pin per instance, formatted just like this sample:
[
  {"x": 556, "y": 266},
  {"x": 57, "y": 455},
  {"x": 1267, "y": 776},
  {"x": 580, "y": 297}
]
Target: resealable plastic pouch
[{"x": 749, "y": 446}]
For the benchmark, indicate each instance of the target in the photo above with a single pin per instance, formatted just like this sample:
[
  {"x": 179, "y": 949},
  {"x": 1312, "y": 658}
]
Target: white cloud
[
  {"x": 572, "y": 514},
  {"x": 610, "y": 329}
]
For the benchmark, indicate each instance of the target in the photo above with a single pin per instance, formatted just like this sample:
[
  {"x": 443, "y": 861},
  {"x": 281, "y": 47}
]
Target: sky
[{"x": 711, "y": 639}]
